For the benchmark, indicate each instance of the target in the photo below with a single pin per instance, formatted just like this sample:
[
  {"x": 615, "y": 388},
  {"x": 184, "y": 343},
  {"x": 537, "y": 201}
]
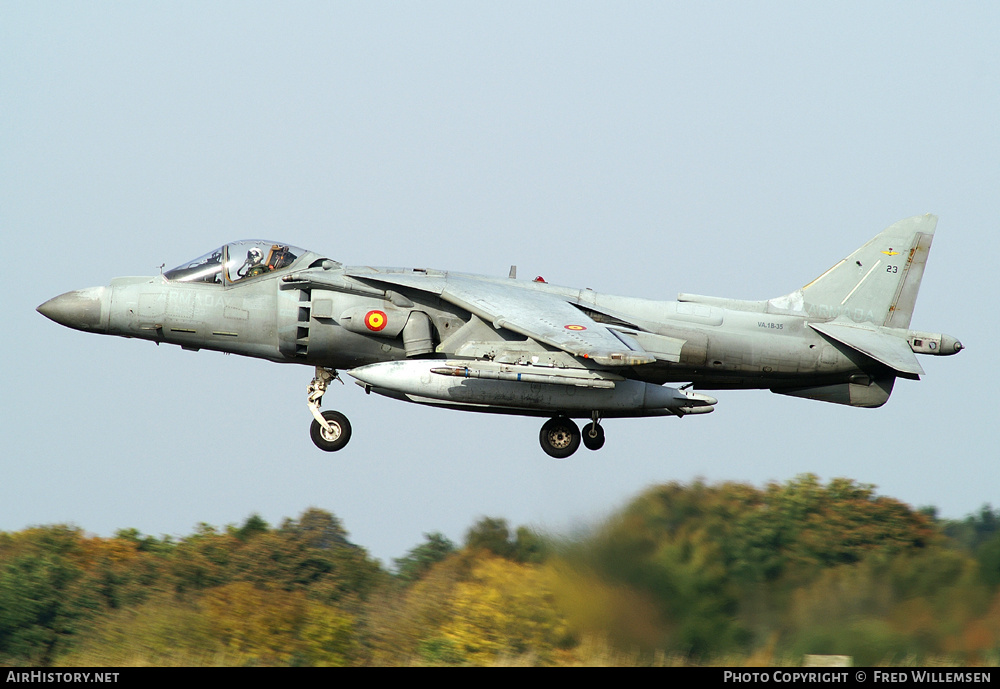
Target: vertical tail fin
[{"x": 877, "y": 283}]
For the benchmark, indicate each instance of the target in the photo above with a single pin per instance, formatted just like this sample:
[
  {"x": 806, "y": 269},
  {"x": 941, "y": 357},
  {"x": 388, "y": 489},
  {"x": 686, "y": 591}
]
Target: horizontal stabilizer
[{"x": 894, "y": 352}]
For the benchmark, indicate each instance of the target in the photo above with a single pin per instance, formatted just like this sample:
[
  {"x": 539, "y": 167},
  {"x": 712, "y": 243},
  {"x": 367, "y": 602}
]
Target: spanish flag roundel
[{"x": 375, "y": 320}]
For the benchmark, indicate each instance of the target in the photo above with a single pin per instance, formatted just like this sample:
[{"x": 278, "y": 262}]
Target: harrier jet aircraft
[{"x": 510, "y": 346}]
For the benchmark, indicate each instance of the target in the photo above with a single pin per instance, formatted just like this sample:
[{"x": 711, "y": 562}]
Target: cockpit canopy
[{"x": 237, "y": 261}]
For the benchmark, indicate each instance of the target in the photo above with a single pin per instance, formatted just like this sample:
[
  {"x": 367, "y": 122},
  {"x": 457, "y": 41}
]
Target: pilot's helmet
[{"x": 254, "y": 256}]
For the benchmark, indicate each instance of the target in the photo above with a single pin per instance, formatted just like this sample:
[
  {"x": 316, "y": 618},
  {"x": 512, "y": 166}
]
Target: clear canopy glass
[{"x": 237, "y": 261}]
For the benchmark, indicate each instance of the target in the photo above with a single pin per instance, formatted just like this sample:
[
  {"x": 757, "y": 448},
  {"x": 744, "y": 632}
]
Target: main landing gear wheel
[
  {"x": 593, "y": 436},
  {"x": 559, "y": 437},
  {"x": 334, "y": 438}
]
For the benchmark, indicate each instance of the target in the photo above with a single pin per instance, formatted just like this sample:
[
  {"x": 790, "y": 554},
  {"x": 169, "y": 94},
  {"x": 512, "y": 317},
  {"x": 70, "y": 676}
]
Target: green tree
[
  {"x": 421, "y": 558},
  {"x": 253, "y": 526},
  {"x": 491, "y": 534},
  {"x": 988, "y": 555},
  {"x": 317, "y": 528},
  {"x": 720, "y": 562},
  {"x": 975, "y": 529},
  {"x": 41, "y": 604}
]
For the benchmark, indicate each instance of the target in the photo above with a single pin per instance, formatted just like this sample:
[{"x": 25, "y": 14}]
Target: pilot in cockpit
[{"x": 254, "y": 258}]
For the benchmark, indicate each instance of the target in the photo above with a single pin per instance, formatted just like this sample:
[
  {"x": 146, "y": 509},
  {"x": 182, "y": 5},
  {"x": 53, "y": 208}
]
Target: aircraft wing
[{"x": 545, "y": 317}]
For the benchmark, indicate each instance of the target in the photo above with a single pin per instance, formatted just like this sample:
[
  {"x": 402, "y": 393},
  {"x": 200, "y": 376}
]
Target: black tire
[
  {"x": 559, "y": 437},
  {"x": 342, "y": 432},
  {"x": 593, "y": 436}
]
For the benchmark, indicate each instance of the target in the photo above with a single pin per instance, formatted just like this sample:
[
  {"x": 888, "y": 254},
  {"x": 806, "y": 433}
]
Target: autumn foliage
[{"x": 683, "y": 574}]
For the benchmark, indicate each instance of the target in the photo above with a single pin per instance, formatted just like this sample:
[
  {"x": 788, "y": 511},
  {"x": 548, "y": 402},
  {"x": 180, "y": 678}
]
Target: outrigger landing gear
[
  {"x": 593, "y": 433},
  {"x": 330, "y": 430},
  {"x": 559, "y": 437}
]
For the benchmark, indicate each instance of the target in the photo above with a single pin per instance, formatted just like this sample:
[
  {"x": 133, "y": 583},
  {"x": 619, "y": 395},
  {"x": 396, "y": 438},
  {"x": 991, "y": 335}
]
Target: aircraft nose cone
[{"x": 82, "y": 309}]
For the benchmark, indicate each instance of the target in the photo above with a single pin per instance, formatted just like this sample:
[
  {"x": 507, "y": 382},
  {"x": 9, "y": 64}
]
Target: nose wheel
[
  {"x": 336, "y": 433},
  {"x": 330, "y": 430}
]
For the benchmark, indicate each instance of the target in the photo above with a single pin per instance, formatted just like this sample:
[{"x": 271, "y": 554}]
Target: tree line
[{"x": 685, "y": 573}]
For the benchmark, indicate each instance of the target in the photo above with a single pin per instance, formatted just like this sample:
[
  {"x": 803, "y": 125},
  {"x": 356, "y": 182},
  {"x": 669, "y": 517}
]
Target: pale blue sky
[{"x": 732, "y": 149}]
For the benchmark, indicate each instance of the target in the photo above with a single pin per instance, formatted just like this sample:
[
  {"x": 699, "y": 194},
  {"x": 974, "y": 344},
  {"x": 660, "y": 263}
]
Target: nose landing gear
[
  {"x": 336, "y": 433},
  {"x": 330, "y": 430}
]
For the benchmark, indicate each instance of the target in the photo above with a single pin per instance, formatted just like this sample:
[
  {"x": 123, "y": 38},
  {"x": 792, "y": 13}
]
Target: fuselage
[{"x": 277, "y": 318}]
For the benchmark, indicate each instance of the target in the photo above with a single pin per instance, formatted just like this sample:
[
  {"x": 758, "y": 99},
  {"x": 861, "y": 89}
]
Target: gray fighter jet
[{"x": 510, "y": 346}]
